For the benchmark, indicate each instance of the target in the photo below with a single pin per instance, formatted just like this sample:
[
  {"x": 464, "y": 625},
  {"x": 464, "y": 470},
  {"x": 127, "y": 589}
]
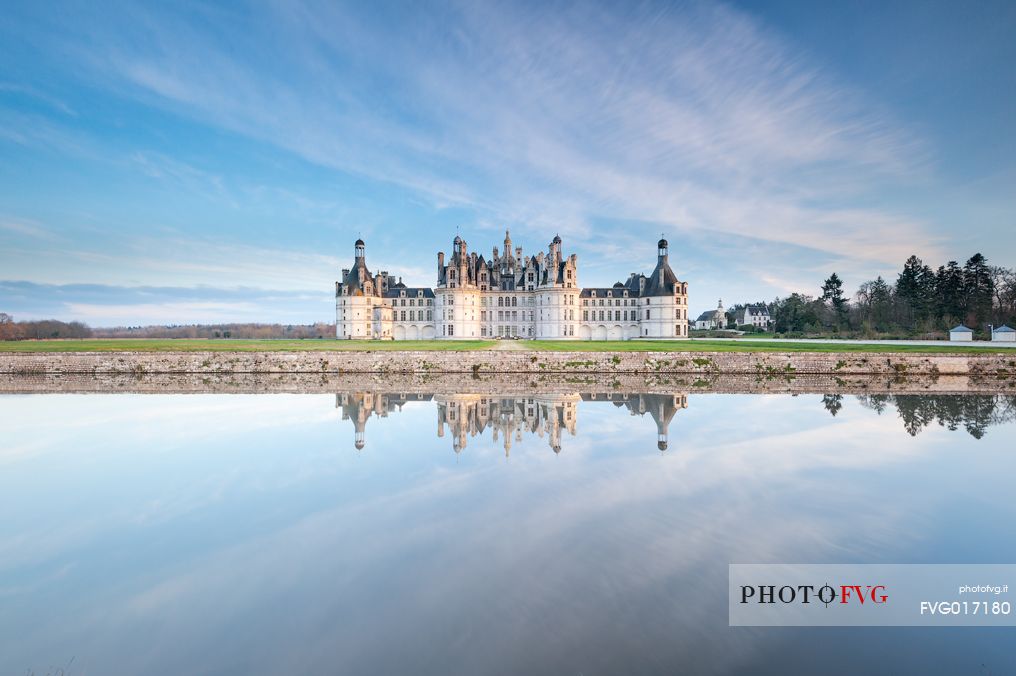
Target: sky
[{"x": 214, "y": 162}]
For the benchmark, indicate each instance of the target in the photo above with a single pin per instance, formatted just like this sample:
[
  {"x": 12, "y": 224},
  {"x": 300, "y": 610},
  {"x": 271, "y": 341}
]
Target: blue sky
[{"x": 190, "y": 162}]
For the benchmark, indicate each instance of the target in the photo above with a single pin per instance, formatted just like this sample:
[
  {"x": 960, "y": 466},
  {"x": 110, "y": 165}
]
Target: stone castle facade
[
  {"x": 511, "y": 295},
  {"x": 508, "y": 419}
]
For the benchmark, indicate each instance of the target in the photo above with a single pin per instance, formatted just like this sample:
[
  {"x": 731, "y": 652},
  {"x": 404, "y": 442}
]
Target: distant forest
[
  {"x": 920, "y": 302},
  {"x": 51, "y": 328}
]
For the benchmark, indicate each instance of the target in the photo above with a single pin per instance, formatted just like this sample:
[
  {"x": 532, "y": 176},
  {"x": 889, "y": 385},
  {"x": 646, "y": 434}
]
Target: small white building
[
  {"x": 1003, "y": 334},
  {"x": 961, "y": 334},
  {"x": 755, "y": 315},
  {"x": 712, "y": 319}
]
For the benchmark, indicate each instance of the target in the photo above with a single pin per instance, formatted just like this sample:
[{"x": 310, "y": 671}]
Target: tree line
[
  {"x": 52, "y": 328},
  {"x": 920, "y": 302},
  {"x": 45, "y": 328}
]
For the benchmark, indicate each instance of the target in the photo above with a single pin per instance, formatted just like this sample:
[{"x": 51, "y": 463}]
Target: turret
[{"x": 358, "y": 249}]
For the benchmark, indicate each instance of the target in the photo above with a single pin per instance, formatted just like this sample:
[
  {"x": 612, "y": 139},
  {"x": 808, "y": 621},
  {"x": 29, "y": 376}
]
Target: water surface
[{"x": 386, "y": 533}]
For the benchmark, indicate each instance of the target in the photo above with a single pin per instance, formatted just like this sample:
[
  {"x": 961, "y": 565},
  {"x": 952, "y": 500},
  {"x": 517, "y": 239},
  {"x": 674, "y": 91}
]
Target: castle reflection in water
[{"x": 463, "y": 416}]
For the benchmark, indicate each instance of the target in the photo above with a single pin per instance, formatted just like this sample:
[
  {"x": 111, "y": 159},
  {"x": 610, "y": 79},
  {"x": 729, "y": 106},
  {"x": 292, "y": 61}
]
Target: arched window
[
  {"x": 515, "y": 301},
  {"x": 500, "y": 301}
]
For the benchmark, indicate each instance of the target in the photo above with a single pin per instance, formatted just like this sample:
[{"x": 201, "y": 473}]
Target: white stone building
[
  {"x": 755, "y": 315},
  {"x": 508, "y": 418},
  {"x": 712, "y": 319},
  {"x": 511, "y": 295}
]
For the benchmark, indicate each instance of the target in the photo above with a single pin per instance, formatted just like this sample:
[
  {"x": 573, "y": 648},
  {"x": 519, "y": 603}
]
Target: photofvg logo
[
  {"x": 806, "y": 593},
  {"x": 871, "y": 595}
]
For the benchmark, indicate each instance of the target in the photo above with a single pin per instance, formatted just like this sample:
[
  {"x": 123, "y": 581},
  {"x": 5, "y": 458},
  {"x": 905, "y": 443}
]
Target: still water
[{"x": 389, "y": 533}]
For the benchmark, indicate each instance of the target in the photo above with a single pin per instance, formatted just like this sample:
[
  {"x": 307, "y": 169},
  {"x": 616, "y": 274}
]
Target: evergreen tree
[
  {"x": 978, "y": 290},
  {"x": 915, "y": 288},
  {"x": 949, "y": 292},
  {"x": 832, "y": 293},
  {"x": 880, "y": 297}
]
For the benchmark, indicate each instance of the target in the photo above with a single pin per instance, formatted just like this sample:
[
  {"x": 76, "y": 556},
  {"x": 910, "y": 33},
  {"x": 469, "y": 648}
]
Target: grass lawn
[
  {"x": 244, "y": 345},
  {"x": 728, "y": 346},
  {"x": 231, "y": 345}
]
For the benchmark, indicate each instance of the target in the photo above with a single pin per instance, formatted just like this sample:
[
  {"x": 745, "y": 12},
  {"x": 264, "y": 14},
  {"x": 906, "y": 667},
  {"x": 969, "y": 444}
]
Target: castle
[
  {"x": 508, "y": 418},
  {"x": 511, "y": 295}
]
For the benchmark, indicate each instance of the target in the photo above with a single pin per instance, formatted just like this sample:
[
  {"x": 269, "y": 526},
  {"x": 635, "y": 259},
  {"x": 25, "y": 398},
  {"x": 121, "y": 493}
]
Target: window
[
  {"x": 515, "y": 301},
  {"x": 585, "y": 315},
  {"x": 601, "y": 315},
  {"x": 451, "y": 330},
  {"x": 500, "y": 301},
  {"x": 647, "y": 314},
  {"x": 403, "y": 315},
  {"x": 429, "y": 317},
  {"x": 617, "y": 315}
]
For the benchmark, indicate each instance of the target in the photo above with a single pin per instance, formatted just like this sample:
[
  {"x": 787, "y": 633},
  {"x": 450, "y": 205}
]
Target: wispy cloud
[
  {"x": 694, "y": 116},
  {"x": 218, "y": 145},
  {"x": 26, "y": 228}
]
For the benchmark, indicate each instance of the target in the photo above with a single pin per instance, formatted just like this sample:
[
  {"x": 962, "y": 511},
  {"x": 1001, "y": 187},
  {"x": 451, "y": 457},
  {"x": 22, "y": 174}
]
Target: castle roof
[
  {"x": 707, "y": 315},
  {"x": 662, "y": 281},
  {"x": 606, "y": 292},
  {"x": 351, "y": 283},
  {"x": 411, "y": 292}
]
